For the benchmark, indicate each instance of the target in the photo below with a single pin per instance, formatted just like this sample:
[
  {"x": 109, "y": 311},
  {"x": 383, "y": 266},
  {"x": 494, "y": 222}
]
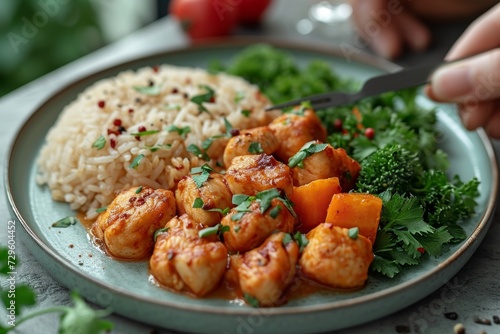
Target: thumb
[{"x": 471, "y": 80}]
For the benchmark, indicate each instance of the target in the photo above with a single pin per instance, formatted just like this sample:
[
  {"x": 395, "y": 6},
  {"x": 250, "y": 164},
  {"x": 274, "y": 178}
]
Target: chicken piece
[
  {"x": 253, "y": 141},
  {"x": 254, "y": 227},
  {"x": 214, "y": 193},
  {"x": 327, "y": 163},
  {"x": 216, "y": 150},
  {"x": 294, "y": 130},
  {"x": 250, "y": 174},
  {"x": 183, "y": 261},
  {"x": 333, "y": 258},
  {"x": 265, "y": 272},
  {"x": 127, "y": 226}
]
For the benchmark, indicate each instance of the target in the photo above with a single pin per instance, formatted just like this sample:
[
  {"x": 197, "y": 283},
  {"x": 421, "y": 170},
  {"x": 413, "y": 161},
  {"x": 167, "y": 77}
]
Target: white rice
[{"x": 89, "y": 178}]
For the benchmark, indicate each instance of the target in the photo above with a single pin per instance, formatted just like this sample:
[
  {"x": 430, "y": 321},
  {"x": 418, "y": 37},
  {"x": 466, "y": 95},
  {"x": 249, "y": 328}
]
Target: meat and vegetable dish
[{"x": 216, "y": 193}]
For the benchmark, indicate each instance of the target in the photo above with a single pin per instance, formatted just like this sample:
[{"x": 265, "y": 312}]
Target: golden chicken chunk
[
  {"x": 248, "y": 230},
  {"x": 250, "y": 174},
  {"x": 294, "y": 130},
  {"x": 324, "y": 164},
  {"x": 265, "y": 272},
  {"x": 127, "y": 226},
  {"x": 214, "y": 193},
  {"x": 335, "y": 259},
  {"x": 184, "y": 261},
  {"x": 253, "y": 141}
]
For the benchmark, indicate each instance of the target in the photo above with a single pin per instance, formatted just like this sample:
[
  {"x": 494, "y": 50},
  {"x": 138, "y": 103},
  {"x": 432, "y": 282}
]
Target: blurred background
[{"x": 39, "y": 36}]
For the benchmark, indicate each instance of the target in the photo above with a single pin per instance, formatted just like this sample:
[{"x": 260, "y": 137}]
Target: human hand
[
  {"x": 388, "y": 26},
  {"x": 474, "y": 84}
]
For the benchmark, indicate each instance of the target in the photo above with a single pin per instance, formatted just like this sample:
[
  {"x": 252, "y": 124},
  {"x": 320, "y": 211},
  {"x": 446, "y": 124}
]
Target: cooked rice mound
[{"x": 113, "y": 111}]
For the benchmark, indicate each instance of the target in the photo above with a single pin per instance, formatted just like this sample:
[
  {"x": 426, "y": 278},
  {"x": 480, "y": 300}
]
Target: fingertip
[{"x": 387, "y": 44}]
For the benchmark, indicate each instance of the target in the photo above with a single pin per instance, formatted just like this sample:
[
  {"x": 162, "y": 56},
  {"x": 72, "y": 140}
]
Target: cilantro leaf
[
  {"x": 99, "y": 143},
  {"x": 81, "y": 319},
  {"x": 148, "y": 90},
  {"x": 203, "y": 98}
]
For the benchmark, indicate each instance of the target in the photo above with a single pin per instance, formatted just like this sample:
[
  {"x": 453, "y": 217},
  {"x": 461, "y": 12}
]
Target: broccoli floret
[{"x": 392, "y": 168}]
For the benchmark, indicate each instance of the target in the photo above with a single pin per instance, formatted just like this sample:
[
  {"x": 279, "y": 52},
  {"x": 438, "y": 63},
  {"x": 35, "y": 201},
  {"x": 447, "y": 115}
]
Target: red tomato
[
  {"x": 205, "y": 18},
  {"x": 251, "y": 11}
]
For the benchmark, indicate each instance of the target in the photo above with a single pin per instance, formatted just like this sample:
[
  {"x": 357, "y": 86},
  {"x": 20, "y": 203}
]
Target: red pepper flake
[
  {"x": 212, "y": 99},
  {"x": 175, "y": 91},
  {"x": 338, "y": 124},
  {"x": 137, "y": 138},
  {"x": 234, "y": 132},
  {"x": 130, "y": 110},
  {"x": 121, "y": 129},
  {"x": 113, "y": 131},
  {"x": 421, "y": 250},
  {"x": 117, "y": 122},
  {"x": 142, "y": 128},
  {"x": 101, "y": 104},
  {"x": 112, "y": 142},
  {"x": 156, "y": 68},
  {"x": 370, "y": 133}
]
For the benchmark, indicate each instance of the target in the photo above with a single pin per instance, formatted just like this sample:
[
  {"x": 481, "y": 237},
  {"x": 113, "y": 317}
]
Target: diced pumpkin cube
[
  {"x": 312, "y": 200},
  {"x": 356, "y": 210}
]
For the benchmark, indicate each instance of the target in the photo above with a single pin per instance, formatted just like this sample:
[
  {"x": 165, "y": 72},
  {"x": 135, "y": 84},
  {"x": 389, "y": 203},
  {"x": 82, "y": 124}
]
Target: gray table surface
[{"x": 478, "y": 292}]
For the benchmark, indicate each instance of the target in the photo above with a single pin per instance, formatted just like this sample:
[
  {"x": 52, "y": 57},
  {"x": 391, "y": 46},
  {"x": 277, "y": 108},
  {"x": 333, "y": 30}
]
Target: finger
[
  {"x": 415, "y": 34},
  {"x": 474, "y": 79},
  {"x": 374, "y": 23},
  {"x": 480, "y": 36},
  {"x": 492, "y": 127},
  {"x": 476, "y": 115}
]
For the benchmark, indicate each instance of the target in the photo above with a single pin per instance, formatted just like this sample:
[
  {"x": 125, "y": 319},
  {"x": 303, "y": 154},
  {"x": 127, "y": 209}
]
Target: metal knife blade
[{"x": 406, "y": 78}]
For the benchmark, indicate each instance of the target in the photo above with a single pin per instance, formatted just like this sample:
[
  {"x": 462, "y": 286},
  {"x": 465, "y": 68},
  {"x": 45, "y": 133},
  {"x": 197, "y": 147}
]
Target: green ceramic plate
[{"x": 124, "y": 286}]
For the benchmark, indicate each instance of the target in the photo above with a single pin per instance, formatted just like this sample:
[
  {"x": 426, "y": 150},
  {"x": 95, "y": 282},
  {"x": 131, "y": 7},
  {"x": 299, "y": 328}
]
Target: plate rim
[{"x": 220, "y": 43}]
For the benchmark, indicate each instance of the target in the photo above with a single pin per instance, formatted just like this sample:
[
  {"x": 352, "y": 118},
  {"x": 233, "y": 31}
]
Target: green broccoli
[{"x": 391, "y": 168}]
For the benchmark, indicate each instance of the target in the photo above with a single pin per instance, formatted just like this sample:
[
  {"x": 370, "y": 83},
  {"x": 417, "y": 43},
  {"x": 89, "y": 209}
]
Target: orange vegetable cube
[
  {"x": 312, "y": 200},
  {"x": 356, "y": 210}
]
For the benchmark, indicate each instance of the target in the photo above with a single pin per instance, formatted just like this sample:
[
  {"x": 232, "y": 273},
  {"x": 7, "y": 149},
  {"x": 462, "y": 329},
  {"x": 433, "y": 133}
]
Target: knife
[{"x": 406, "y": 78}]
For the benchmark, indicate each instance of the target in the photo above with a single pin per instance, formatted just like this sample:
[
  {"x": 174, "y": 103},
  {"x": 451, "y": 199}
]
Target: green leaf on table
[
  {"x": 22, "y": 296},
  {"x": 82, "y": 319}
]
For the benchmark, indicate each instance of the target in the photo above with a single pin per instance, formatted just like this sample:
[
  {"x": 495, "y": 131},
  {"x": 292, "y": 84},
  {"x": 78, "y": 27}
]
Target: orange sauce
[{"x": 299, "y": 288}]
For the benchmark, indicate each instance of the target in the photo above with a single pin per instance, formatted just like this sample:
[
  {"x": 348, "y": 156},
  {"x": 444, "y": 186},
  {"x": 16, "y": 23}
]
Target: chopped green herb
[
  {"x": 301, "y": 240},
  {"x": 204, "y": 174},
  {"x": 353, "y": 233},
  {"x": 181, "y": 131},
  {"x": 265, "y": 197},
  {"x": 138, "y": 190},
  {"x": 246, "y": 112},
  {"x": 307, "y": 150},
  {"x": 136, "y": 161},
  {"x": 159, "y": 231},
  {"x": 102, "y": 209},
  {"x": 275, "y": 211},
  {"x": 200, "y": 179},
  {"x": 65, "y": 222},
  {"x": 158, "y": 147},
  {"x": 198, "y": 203},
  {"x": 240, "y": 95},
  {"x": 237, "y": 228},
  {"x": 287, "y": 239},
  {"x": 99, "y": 143},
  {"x": 144, "y": 133},
  {"x": 198, "y": 152},
  {"x": 255, "y": 148},
  {"x": 239, "y": 198},
  {"x": 252, "y": 301},
  {"x": 229, "y": 128},
  {"x": 172, "y": 107},
  {"x": 148, "y": 90},
  {"x": 206, "y": 232},
  {"x": 204, "y": 98}
]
